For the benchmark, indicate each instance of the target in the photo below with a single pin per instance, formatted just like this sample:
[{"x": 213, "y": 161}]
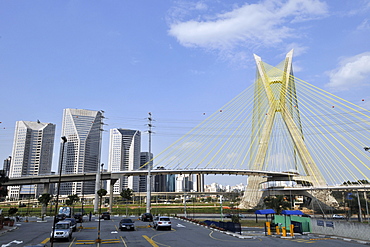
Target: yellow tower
[{"x": 276, "y": 98}]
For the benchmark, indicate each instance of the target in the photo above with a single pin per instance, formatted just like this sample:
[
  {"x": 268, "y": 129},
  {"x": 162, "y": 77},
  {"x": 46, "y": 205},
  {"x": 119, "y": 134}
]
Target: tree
[
  {"x": 353, "y": 207},
  {"x": 102, "y": 192},
  {"x": 44, "y": 199},
  {"x": 3, "y": 179},
  {"x": 12, "y": 211},
  {"x": 278, "y": 203},
  {"x": 71, "y": 200},
  {"x": 126, "y": 196}
]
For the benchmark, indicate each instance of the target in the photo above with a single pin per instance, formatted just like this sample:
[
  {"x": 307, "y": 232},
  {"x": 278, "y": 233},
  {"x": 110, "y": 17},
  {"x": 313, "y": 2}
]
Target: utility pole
[
  {"x": 64, "y": 140},
  {"x": 149, "y": 177}
]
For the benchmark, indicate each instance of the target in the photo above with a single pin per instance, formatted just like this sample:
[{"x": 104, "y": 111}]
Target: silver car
[
  {"x": 63, "y": 230},
  {"x": 162, "y": 222}
]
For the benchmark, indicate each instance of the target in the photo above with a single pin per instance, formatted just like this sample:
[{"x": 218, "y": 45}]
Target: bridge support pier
[{"x": 111, "y": 185}]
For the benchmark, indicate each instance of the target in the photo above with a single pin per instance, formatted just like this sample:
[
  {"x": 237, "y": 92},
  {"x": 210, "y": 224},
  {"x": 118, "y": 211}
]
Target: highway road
[{"x": 182, "y": 234}]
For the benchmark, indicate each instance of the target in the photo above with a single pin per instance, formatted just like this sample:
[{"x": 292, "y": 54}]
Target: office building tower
[
  {"x": 171, "y": 183},
  {"x": 160, "y": 181},
  {"x": 31, "y": 156},
  {"x": 83, "y": 130},
  {"x": 124, "y": 155},
  {"x": 184, "y": 183},
  {"x": 6, "y": 166},
  {"x": 144, "y": 159}
]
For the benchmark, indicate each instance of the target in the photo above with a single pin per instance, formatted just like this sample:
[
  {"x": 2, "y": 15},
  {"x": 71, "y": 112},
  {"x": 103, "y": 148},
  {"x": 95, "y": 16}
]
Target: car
[
  {"x": 126, "y": 224},
  {"x": 337, "y": 216},
  {"x": 105, "y": 216},
  {"x": 162, "y": 222},
  {"x": 78, "y": 217},
  {"x": 63, "y": 230},
  {"x": 60, "y": 217},
  {"x": 147, "y": 217},
  {"x": 73, "y": 223}
]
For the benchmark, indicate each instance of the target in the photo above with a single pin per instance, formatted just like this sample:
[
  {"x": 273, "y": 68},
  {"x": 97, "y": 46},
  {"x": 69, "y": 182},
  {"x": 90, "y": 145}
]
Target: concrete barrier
[{"x": 353, "y": 230}]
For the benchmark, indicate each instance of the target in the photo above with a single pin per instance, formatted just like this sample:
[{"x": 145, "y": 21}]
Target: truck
[{"x": 66, "y": 210}]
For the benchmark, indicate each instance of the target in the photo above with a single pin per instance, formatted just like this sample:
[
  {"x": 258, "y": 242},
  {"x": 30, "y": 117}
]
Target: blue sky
[{"x": 180, "y": 60}]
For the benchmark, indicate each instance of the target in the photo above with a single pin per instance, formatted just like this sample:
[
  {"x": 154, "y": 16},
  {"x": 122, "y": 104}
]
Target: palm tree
[
  {"x": 44, "y": 199},
  {"x": 126, "y": 195},
  {"x": 278, "y": 203}
]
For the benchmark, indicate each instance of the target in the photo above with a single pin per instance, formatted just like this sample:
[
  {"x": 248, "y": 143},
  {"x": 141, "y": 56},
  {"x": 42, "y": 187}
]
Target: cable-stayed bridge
[{"x": 280, "y": 123}]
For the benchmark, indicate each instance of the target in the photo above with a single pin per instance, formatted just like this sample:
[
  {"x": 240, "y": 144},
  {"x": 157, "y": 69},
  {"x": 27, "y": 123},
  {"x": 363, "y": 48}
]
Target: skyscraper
[
  {"x": 32, "y": 155},
  {"x": 6, "y": 166},
  {"x": 124, "y": 155},
  {"x": 144, "y": 158},
  {"x": 82, "y": 128}
]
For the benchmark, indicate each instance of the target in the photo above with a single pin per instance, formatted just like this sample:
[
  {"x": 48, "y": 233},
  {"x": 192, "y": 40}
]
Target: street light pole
[
  {"x": 98, "y": 240},
  {"x": 64, "y": 140}
]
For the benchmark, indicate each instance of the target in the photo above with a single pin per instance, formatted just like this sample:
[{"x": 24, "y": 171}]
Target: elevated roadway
[{"x": 45, "y": 179}]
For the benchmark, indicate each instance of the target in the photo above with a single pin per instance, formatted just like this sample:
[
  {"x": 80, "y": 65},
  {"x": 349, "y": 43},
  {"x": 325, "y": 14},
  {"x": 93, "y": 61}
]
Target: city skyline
[{"x": 179, "y": 60}]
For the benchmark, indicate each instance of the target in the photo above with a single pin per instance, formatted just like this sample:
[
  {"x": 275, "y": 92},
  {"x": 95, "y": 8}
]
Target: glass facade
[
  {"x": 82, "y": 151},
  {"x": 31, "y": 156},
  {"x": 124, "y": 155}
]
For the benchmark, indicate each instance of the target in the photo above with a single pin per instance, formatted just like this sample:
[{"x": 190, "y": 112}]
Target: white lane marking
[{"x": 12, "y": 242}]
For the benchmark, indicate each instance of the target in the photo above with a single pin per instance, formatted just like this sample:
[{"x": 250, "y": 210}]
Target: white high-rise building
[
  {"x": 83, "y": 130},
  {"x": 32, "y": 155},
  {"x": 184, "y": 183},
  {"x": 124, "y": 155}
]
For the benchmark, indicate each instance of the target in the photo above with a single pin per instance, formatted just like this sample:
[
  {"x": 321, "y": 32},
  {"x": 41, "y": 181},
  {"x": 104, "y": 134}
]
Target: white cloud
[
  {"x": 352, "y": 72},
  {"x": 265, "y": 23},
  {"x": 364, "y": 25}
]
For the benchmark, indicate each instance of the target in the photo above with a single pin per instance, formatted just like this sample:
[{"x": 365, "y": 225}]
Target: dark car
[
  {"x": 147, "y": 217},
  {"x": 60, "y": 217},
  {"x": 78, "y": 217},
  {"x": 105, "y": 216},
  {"x": 126, "y": 224},
  {"x": 73, "y": 223}
]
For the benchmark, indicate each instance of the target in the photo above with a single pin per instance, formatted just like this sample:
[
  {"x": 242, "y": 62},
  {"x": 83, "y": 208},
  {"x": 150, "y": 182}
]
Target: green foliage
[
  {"x": 127, "y": 194},
  {"x": 278, "y": 203},
  {"x": 235, "y": 218},
  {"x": 358, "y": 182},
  {"x": 72, "y": 199},
  {"x": 45, "y": 198},
  {"x": 3, "y": 179},
  {"x": 353, "y": 206},
  {"x": 102, "y": 192},
  {"x": 12, "y": 211}
]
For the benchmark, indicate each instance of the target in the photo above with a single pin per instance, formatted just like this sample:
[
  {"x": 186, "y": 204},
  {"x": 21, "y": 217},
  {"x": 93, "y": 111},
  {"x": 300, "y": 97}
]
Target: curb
[
  {"x": 3, "y": 231},
  {"x": 224, "y": 232},
  {"x": 343, "y": 239}
]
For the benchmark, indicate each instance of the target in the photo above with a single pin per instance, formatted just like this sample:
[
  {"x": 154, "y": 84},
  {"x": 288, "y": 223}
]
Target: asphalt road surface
[{"x": 182, "y": 234}]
